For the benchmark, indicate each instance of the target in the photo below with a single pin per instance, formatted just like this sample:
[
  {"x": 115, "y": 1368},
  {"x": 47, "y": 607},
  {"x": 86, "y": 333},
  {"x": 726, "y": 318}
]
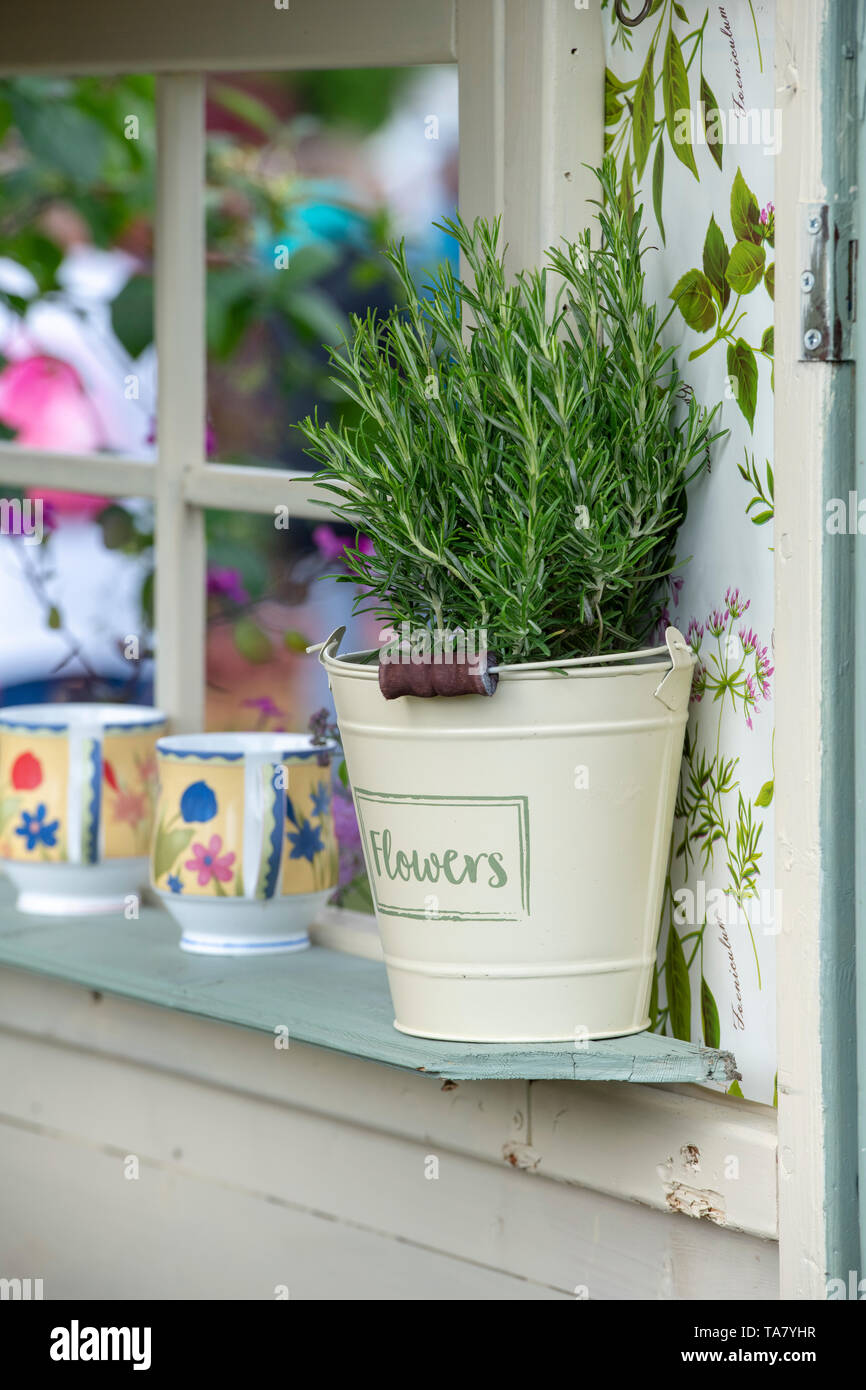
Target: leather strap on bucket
[{"x": 406, "y": 673}]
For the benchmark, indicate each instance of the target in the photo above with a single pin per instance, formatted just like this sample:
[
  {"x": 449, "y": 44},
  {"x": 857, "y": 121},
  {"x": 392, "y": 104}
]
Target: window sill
[{"x": 323, "y": 997}]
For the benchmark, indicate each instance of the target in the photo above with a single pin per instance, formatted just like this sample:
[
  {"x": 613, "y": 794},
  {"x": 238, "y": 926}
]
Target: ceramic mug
[
  {"x": 77, "y": 791},
  {"x": 244, "y": 850}
]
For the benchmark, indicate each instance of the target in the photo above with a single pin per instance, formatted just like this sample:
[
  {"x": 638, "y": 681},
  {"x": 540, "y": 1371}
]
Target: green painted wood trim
[
  {"x": 323, "y": 998},
  {"x": 841, "y": 772}
]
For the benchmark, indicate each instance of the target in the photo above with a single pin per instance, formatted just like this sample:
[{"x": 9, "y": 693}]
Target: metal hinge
[{"x": 828, "y": 282}]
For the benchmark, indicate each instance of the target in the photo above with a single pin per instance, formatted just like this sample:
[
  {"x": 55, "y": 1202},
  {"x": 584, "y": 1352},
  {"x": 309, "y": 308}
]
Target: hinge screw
[
  {"x": 812, "y": 339},
  {"x": 807, "y": 281},
  {"x": 814, "y": 224}
]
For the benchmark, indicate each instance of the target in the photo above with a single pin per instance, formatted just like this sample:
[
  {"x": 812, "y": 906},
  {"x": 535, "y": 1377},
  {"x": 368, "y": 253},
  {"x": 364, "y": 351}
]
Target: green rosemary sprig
[{"x": 524, "y": 448}]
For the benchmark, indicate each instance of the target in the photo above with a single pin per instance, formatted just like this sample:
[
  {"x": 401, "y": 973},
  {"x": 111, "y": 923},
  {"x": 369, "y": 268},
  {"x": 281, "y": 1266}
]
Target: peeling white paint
[
  {"x": 521, "y": 1156},
  {"x": 693, "y": 1201}
]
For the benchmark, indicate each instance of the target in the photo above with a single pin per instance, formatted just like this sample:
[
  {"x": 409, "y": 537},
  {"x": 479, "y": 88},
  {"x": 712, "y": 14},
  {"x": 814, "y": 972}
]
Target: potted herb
[{"x": 521, "y": 465}]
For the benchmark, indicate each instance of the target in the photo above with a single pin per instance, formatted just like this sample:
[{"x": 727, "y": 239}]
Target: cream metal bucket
[{"x": 517, "y": 844}]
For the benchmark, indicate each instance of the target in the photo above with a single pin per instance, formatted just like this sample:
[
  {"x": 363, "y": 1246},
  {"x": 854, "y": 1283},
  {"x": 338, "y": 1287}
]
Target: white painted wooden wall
[{"x": 261, "y": 1168}]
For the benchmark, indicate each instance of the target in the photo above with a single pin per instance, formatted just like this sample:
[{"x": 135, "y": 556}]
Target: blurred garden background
[{"x": 308, "y": 176}]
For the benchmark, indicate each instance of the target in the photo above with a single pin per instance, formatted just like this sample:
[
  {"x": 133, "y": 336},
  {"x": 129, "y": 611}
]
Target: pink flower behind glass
[
  {"x": 208, "y": 863},
  {"x": 44, "y": 401}
]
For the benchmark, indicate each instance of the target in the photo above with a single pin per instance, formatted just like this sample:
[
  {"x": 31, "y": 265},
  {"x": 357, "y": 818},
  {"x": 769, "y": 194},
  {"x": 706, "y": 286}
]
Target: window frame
[{"x": 531, "y": 105}]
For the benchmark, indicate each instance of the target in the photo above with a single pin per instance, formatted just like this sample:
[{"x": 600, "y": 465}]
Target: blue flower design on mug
[
  {"x": 35, "y": 829},
  {"x": 174, "y": 883},
  {"x": 321, "y": 799},
  {"x": 198, "y": 803},
  {"x": 306, "y": 842}
]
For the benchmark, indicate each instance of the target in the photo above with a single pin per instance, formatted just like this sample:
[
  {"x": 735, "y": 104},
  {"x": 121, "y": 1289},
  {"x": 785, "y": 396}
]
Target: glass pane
[
  {"x": 77, "y": 593},
  {"x": 309, "y": 176},
  {"x": 76, "y": 321},
  {"x": 77, "y": 375}
]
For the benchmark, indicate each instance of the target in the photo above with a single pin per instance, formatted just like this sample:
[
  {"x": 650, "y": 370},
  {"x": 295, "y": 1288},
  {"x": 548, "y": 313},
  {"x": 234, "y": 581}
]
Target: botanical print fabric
[{"x": 692, "y": 124}]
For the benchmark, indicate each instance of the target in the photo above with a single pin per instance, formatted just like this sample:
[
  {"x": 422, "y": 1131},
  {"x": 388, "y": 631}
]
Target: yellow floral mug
[
  {"x": 77, "y": 792},
  {"x": 244, "y": 850}
]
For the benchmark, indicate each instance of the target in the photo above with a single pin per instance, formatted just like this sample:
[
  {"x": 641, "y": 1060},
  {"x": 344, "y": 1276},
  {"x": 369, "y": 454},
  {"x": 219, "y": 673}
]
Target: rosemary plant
[{"x": 524, "y": 446}]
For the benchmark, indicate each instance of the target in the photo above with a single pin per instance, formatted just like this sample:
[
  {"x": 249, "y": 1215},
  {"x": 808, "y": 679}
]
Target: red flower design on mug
[
  {"x": 26, "y": 773},
  {"x": 208, "y": 863}
]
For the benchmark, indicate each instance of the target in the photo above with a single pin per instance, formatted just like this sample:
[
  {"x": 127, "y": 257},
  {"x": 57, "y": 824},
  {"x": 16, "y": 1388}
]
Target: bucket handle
[
  {"x": 329, "y": 647},
  {"x": 669, "y": 691},
  {"x": 681, "y": 655}
]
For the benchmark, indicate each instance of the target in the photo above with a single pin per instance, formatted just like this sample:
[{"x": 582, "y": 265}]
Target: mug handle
[
  {"x": 264, "y": 828},
  {"x": 84, "y": 795}
]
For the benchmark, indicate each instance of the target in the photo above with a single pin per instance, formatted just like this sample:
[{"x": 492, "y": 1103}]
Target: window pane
[
  {"x": 309, "y": 176},
  {"x": 77, "y": 597},
  {"x": 77, "y": 376},
  {"x": 76, "y": 321}
]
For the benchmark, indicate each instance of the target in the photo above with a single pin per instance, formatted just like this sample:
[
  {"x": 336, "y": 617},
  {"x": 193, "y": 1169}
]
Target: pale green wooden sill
[{"x": 324, "y": 998}]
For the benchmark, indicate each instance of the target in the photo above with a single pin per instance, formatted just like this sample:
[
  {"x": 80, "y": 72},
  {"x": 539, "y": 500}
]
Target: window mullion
[{"x": 180, "y": 339}]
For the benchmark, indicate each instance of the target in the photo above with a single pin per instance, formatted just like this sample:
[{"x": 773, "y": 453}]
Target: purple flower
[
  {"x": 226, "y": 583},
  {"x": 265, "y": 705},
  {"x": 322, "y": 726},
  {"x": 662, "y": 626},
  {"x": 333, "y": 547},
  {"x": 346, "y": 822},
  {"x": 767, "y": 213},
  {"x": 736, "y": 605},
  {"x": 750, "y": 699},
  {"x": 716, "y": 622},
  {"x": 749, "y": 640},
  {"x": 694, "y": 634}
]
